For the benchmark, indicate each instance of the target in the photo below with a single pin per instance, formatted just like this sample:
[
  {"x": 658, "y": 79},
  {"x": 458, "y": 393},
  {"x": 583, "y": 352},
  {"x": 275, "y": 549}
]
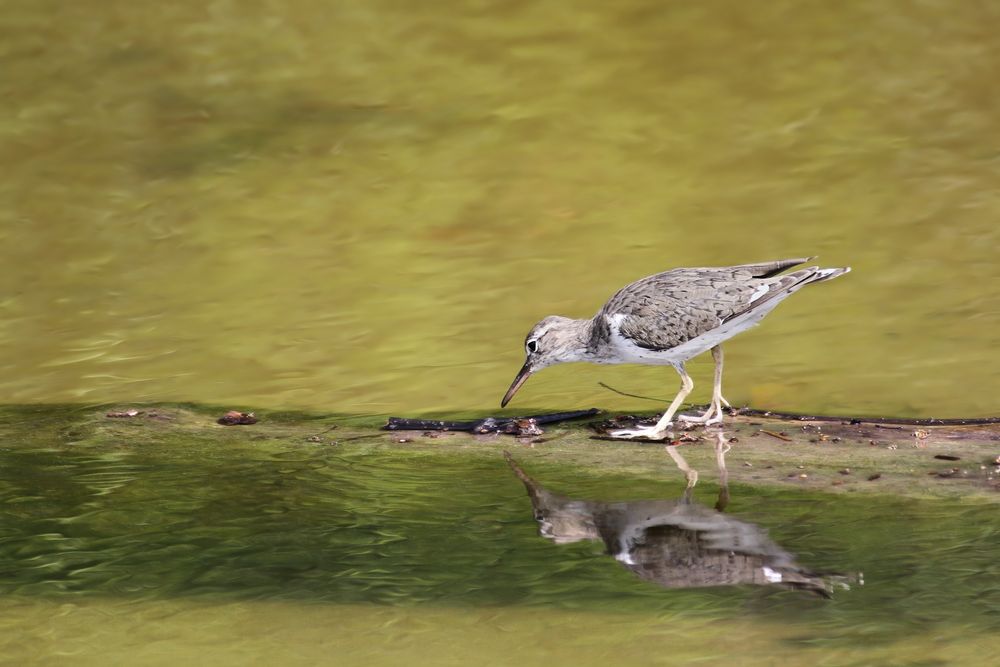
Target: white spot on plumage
[{"x": 761, "y": 291}]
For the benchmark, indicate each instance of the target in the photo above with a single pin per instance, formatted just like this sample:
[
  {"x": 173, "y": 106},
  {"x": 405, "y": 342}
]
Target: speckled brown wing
[{"x": 665, "y": 310}]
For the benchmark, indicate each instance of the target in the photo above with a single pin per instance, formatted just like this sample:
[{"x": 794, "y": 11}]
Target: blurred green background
[{"x": 363, "y": 207}]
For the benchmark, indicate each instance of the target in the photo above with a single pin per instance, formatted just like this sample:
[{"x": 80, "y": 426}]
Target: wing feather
[{"x": 668, "y": 309}]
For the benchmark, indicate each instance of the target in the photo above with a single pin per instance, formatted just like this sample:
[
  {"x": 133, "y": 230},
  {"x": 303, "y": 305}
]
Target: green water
[
  {"x": 365, "y": 206},
  {"x": 411, "y": 546},
  {"x": 362, "y": 207}
]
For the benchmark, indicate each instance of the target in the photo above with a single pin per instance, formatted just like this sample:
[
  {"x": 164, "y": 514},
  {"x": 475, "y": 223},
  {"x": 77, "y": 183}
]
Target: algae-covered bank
[{"x": 301, "y": 535}]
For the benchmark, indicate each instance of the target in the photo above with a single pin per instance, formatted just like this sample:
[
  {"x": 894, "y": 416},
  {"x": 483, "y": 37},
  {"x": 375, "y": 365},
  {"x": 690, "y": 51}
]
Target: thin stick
[{"x": 645, "y": 398}]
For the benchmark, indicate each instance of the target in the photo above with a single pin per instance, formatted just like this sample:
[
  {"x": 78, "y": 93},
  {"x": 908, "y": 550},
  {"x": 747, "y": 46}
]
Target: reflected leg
[
  {"x": 690, "y": 474},
  {"x": 721, "y": 447}
]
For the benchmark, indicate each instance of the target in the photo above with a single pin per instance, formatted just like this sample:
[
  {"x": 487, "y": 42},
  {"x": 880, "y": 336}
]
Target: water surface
[
  {"x": 287, "y": 552},
  {"x": 363, "y": 207}
]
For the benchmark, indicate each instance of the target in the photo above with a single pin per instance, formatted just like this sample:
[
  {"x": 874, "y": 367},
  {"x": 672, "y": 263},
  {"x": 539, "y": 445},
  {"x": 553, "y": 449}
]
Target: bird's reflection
[{"x": 675, "y": 543}]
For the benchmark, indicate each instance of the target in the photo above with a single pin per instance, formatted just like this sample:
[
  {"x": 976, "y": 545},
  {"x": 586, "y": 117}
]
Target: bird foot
[
  {"x": 644, "y": 432},
  {"x": 713, "y": 415}
]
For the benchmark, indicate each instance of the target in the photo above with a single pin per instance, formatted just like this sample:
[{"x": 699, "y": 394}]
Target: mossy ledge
[{"x": 840, "y": 456}]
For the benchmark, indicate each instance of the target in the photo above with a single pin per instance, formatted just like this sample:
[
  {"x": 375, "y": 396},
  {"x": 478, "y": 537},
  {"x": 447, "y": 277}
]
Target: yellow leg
[
  {"x": 714, "y": 414},
  {"x": 660, "y": 429}
]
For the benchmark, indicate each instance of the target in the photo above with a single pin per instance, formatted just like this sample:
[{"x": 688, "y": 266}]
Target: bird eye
[{"x": 532, "y": 346}]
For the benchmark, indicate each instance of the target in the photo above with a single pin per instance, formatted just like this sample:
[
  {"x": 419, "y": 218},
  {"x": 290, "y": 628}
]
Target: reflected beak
[{"x": 522, "y": 375}]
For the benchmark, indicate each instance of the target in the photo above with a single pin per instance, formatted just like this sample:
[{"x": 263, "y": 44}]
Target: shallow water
[
  {"x": 363, "y": 207},
  {"x": 371, "y": 552}
]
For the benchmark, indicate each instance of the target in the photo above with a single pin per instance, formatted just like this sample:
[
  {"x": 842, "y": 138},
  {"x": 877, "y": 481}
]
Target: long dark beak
[{"x": 522, "y": 376}]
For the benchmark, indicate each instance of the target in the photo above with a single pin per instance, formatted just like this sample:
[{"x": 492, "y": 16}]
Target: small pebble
[{"x": 237, "y": 418}]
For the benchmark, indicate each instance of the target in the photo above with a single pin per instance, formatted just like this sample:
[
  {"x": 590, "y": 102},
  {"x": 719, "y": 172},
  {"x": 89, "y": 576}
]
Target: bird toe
[{"x": 645, "y": 433}]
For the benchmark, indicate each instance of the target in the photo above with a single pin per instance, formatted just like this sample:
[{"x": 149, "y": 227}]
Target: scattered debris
[
  {"x": 947, "y": 457},
  {"x": 148, "y": 414},
  {"x": 844, "y": 471},
  {"x": 488, "y": 425},
  {"x": 520, "y": 426},
  {"x": 779, "y": 436},
  {"x": 523, "y": 428},
  {"x": 236, "y": 418},
  {"x": 854, "y": 421},
  {"x": 318, "y": 436},
  {"x": 921, "y": 434},
  {"x": 124, "y": 414},
  {"x": 873, "y": 477}
]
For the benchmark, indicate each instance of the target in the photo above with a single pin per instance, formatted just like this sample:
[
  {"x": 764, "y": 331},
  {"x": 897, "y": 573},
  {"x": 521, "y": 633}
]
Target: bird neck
[{"x": 575, "y": 340}]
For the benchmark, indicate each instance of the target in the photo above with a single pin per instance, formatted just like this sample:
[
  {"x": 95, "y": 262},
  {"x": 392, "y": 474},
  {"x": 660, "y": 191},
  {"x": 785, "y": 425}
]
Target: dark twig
[{"x": 487, "y": 425}]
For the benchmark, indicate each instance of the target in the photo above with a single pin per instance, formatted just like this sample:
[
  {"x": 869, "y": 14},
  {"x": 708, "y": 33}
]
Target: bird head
[{"x": 551, "y": 341}]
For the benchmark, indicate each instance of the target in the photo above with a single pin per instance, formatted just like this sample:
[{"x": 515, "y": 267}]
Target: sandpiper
[{"x": 667, "y": 319}]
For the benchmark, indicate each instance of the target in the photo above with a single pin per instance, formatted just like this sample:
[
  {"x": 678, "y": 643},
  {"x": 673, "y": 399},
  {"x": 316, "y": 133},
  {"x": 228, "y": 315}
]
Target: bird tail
[
  {"x": 780, "y": 287},
  {"x": 827, "y": 274}
]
